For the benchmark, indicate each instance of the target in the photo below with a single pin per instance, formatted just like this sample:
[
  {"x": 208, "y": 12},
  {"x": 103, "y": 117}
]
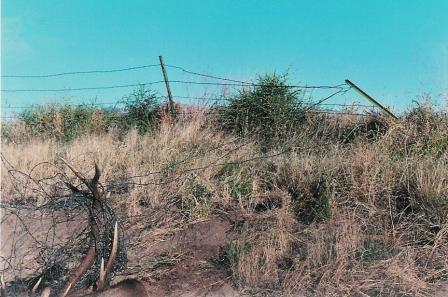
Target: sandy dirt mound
[{"x": 191, "y": 271}]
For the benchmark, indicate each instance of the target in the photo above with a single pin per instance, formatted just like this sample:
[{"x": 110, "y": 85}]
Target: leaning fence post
[
  {"x": 376, "y": 103},
  {"x": 168, "y": 89}
]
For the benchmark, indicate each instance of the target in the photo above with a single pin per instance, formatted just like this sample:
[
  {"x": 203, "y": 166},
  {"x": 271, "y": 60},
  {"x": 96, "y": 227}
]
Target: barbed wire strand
[
  {"x": 81, "y": 72},
  {"x": 339, "y": 86},
  {"x": 238, "y": 82}
]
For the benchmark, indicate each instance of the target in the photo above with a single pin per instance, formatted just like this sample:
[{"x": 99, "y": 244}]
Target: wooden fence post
[
  {"x": 168, "y": 89},
  {"x": 376, "y": 103}
]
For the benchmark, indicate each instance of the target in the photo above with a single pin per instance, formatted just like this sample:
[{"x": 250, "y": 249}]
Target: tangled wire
[{"x": 48, "y": 241}]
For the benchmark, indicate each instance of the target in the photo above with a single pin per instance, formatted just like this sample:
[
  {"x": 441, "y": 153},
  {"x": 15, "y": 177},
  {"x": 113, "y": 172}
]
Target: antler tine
[
  {"x": 102, "y": 276},
  {"x": 46, "y": 292},
  {"x": 82, "y": 268},
  {"x": 78, "y": 174},
  {"x": 113, "y": 255},
  {"x": 96, "y": 177},
  {"x": 94, "y": 183},
  {"x": 66, "y": 290},
  {"x": 3, "y": 286},
  {"x": 36, "y": 285},
  {"x": 91, "y": 184}
]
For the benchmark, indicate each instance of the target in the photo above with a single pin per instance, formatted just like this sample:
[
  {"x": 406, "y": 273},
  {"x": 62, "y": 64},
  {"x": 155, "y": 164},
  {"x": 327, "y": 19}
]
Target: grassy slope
[{"x": 360, "y": 217}]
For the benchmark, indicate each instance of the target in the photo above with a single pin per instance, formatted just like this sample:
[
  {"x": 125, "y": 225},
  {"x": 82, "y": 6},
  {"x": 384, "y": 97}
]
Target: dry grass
[{"x": 354, "y": 219}]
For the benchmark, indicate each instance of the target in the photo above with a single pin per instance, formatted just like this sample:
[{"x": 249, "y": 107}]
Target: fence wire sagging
[{"x": 202, "y": 94}]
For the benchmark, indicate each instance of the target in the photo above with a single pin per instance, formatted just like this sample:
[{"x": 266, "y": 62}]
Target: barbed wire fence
[
  {"x": 321, "y": 105},
  {"x": 47, "y": 207}
]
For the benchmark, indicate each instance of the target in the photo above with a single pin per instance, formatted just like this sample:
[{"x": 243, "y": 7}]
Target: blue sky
[{"x": 395, "y": 50}]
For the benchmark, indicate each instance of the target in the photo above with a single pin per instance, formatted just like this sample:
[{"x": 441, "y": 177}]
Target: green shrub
[
  {"x": 142, "y": 110},
  {"x": 424, "y": 116},
  {"x": 423, "y": 131},
  {"x": 269, "y": 111},
  {"x": 65, "y": 122}
]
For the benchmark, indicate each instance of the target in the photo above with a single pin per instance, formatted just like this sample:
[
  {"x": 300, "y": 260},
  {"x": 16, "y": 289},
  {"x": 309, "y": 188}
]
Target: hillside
[{"x": 341, "y": 205}]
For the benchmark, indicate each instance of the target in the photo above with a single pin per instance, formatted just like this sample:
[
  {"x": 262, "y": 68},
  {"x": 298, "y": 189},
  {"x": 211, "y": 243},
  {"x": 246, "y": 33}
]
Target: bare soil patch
[
  {"x": 172, "y": 262},
  {"x": 182, "y": 261}
]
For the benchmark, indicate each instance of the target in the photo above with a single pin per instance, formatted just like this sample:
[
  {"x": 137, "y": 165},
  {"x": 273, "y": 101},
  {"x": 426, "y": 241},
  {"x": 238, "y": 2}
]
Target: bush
[
  {"x": 65, "y": 122},
  {"x": 269, "y": 111},
  {"x": 425, "y": 117},
  {"x": 423, "y": 130},
  {"x": 142, "y": 110}
]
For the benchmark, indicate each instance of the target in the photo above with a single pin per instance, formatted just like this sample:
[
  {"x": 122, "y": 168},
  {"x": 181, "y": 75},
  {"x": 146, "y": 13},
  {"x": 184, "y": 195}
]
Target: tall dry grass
[{"x": 340, "y": 214}]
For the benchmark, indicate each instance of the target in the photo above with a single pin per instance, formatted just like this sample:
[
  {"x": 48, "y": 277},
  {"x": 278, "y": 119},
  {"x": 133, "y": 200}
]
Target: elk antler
[
  {"x": 46, "y": 292},
  {"x": 36, "y": 285},
  {"x": 3, "y": 286},
  {"x": 110, "y": 261},
  {"x": 88, "y": 259},
  {"x": 91, "y": 184}
]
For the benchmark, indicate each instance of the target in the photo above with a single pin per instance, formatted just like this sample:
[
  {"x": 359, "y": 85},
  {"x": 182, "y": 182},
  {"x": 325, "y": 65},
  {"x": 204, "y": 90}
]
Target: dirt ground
[
  {"x": 192, "y": 272},
  {"x": 171, "y": 259}
]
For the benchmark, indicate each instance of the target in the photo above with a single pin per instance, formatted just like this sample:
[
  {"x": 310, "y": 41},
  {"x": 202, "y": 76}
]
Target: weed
[
  {"x": 374, "y": 250},
  {"x": 240, "y": 188},
  {"x": 311, "y": 194},
  {"x": 269, "y": 112},
  {"x": 198, "y": 199},
  {"x": 228, "y": 256}
]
